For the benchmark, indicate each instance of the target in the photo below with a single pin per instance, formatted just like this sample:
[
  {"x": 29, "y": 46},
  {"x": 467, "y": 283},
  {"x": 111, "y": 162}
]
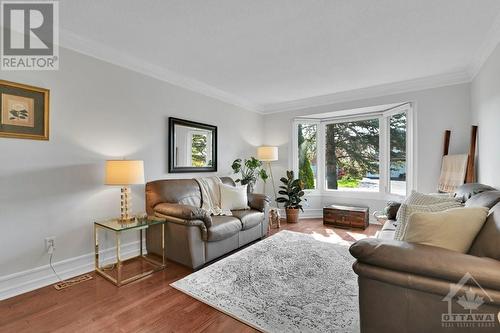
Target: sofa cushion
[
  {"x": 390, "y": 225},
  {"x": 385, "y": 234},
  {"x": 184, "y": 212},
  {"x": 223, "y": 227},
  {"x": 388, "y": 230},
  {"x": 453, "y": 229},
  {"x": 487, "y": 242},
  {"x": 227, "y": 181},
  {"x": 466, "y": 191},
  {"x": 486, "y": 199},
  {"x": 406, "y": 210},
  {"x": 249, "y": 217},
  {"x": 181, "y": 191}
]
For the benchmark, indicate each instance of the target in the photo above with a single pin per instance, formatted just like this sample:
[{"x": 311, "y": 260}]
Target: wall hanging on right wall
[{"x": 24, "y": 111}]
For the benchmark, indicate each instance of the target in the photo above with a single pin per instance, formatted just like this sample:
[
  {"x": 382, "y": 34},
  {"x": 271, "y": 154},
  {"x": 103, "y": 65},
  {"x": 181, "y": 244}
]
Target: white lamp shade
[
  {"x": 124, "y": 172},
  {"x": 267, "y": 153}
]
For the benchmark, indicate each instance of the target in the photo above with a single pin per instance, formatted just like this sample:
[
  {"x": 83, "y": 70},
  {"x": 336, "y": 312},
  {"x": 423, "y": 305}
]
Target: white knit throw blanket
[{"x": 210, "y": 195}]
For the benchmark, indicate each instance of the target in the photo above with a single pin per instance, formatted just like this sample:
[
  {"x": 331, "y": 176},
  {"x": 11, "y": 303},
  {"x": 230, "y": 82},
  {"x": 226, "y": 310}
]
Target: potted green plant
[
  {"x": 293, "y": 190},
  {"x": 250, "y": 170}
]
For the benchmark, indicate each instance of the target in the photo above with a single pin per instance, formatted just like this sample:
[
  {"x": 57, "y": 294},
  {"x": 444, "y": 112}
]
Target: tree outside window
[
  {"x": 352, "y": 155},
  {"x": 307, "y": 157},
  {"x": 397, "y": 124}
]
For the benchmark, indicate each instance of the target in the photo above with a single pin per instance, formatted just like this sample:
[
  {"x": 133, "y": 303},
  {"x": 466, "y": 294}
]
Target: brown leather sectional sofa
[
  {"x": 408, "y": 288},
  {"x": 192, "y": 237}
]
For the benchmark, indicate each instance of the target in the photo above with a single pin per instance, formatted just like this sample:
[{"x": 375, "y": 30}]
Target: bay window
[{"x": 364, "y": 153}]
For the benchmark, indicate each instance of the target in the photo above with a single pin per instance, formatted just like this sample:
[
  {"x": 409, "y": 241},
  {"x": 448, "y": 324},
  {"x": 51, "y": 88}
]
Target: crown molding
[
  {"x": 428, "y": 82},
  {"x": 490, "y": 43},
  {"x": 77, "y": 43}
]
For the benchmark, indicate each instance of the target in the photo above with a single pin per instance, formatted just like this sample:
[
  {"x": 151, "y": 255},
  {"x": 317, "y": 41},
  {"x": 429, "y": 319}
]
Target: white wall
[
  {"x": 485, "y": 98},
  {"x": 97, "y": 111},
  {"x": 435, "y": 110},
  {"x": 101, "y": 111}
]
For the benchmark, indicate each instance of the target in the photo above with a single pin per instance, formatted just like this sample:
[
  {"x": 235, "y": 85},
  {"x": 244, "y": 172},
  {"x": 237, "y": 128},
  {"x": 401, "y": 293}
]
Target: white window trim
[{"x": 384, "y": 182}]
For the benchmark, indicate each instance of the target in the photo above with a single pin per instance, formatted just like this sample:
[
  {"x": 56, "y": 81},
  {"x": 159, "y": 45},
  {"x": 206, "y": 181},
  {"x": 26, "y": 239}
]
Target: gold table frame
[{"x": 119, "y": 281}]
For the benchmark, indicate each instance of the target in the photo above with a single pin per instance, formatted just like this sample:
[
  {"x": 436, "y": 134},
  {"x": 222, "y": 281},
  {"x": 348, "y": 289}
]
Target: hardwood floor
[{"x": 148, "y": 305}]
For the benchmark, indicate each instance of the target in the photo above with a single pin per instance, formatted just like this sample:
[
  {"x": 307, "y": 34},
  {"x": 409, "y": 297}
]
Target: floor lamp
[{"x": 268, "y": 154}]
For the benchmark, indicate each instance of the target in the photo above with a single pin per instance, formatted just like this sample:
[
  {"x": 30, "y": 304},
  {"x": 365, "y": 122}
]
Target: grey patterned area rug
[{"x": 289, "y": 282}]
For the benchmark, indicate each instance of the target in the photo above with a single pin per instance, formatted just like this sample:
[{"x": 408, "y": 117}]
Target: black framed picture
[{"x": 192, "y": 146}]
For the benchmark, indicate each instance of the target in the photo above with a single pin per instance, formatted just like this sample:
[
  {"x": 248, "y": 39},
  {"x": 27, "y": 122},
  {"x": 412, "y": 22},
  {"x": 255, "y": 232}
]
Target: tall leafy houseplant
[
  {"x": 293, "y": 191},
  {"x": 251, "y": 170}
]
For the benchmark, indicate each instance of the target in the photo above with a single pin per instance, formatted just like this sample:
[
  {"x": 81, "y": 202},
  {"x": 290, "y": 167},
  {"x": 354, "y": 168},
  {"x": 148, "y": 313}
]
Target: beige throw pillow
[
  {"x": 233, "y": 197},
  {"x": 453, "y": 229},
  {"x": 406, "y": 210}
]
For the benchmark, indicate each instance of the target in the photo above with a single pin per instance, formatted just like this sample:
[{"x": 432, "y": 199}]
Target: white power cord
[{"x": 50, "y": 251}]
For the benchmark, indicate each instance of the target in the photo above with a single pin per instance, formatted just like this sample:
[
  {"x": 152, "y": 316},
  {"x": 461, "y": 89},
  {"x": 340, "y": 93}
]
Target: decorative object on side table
[
  {"x": 293, "y": 189},
  {"x": 24, "y": 111},
  {"x": 274, "y": 218},
  {"x": 251, "y": 170},
  {"x": 346, "y": 216},
  {"x": 124, "y": 173},
  {"x": 115, "y": 272}
]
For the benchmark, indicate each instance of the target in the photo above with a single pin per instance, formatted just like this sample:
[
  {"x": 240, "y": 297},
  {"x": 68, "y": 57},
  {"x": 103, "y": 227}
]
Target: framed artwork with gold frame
[{"x": 24, "y": 111}]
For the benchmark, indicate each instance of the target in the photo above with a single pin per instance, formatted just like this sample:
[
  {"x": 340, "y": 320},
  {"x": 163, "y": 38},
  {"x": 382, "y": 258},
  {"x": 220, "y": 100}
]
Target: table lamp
[
  {"x": 124, "y": 173},
  {"x": 268, "y": 154}
]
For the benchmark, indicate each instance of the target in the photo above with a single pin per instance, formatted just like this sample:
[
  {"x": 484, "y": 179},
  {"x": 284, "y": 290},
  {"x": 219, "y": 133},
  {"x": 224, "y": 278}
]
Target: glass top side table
[{"x": 115, "y": 272}]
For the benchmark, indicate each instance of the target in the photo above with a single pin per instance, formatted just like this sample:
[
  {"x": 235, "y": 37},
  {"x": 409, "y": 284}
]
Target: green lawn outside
[{"x": 348, "y": 182}]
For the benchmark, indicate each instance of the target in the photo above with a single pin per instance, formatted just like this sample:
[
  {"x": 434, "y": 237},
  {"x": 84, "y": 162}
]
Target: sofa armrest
[
  {"x": 425, "y": 260},
  {"x": 184, "y": 212},
  {"x": 258, "y": 201}
]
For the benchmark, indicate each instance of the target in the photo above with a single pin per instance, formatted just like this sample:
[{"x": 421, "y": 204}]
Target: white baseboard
[
  {"x": 22, "y": 282},
  {"x": 306, "y": 214},
  {"x": 25, "y": 281}
]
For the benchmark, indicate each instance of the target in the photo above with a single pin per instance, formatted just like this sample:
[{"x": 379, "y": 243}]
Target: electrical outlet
[{"x": 50, "y": 243}]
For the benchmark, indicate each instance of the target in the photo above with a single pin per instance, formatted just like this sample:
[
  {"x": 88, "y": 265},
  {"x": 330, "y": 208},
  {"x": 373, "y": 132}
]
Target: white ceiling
[{"x": 279, "y": 54}]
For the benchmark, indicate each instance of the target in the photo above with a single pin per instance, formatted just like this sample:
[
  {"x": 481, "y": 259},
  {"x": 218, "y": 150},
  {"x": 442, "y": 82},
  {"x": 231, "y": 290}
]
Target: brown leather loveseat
[
  {"x": 405, "y": 287},
  {"x": 192, "y": 237}
]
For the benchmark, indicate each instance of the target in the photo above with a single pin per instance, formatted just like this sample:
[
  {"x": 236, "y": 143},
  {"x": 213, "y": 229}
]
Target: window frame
[
  {"x": 295, "y": 150},
  {"x": 384, "y": 152}
]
